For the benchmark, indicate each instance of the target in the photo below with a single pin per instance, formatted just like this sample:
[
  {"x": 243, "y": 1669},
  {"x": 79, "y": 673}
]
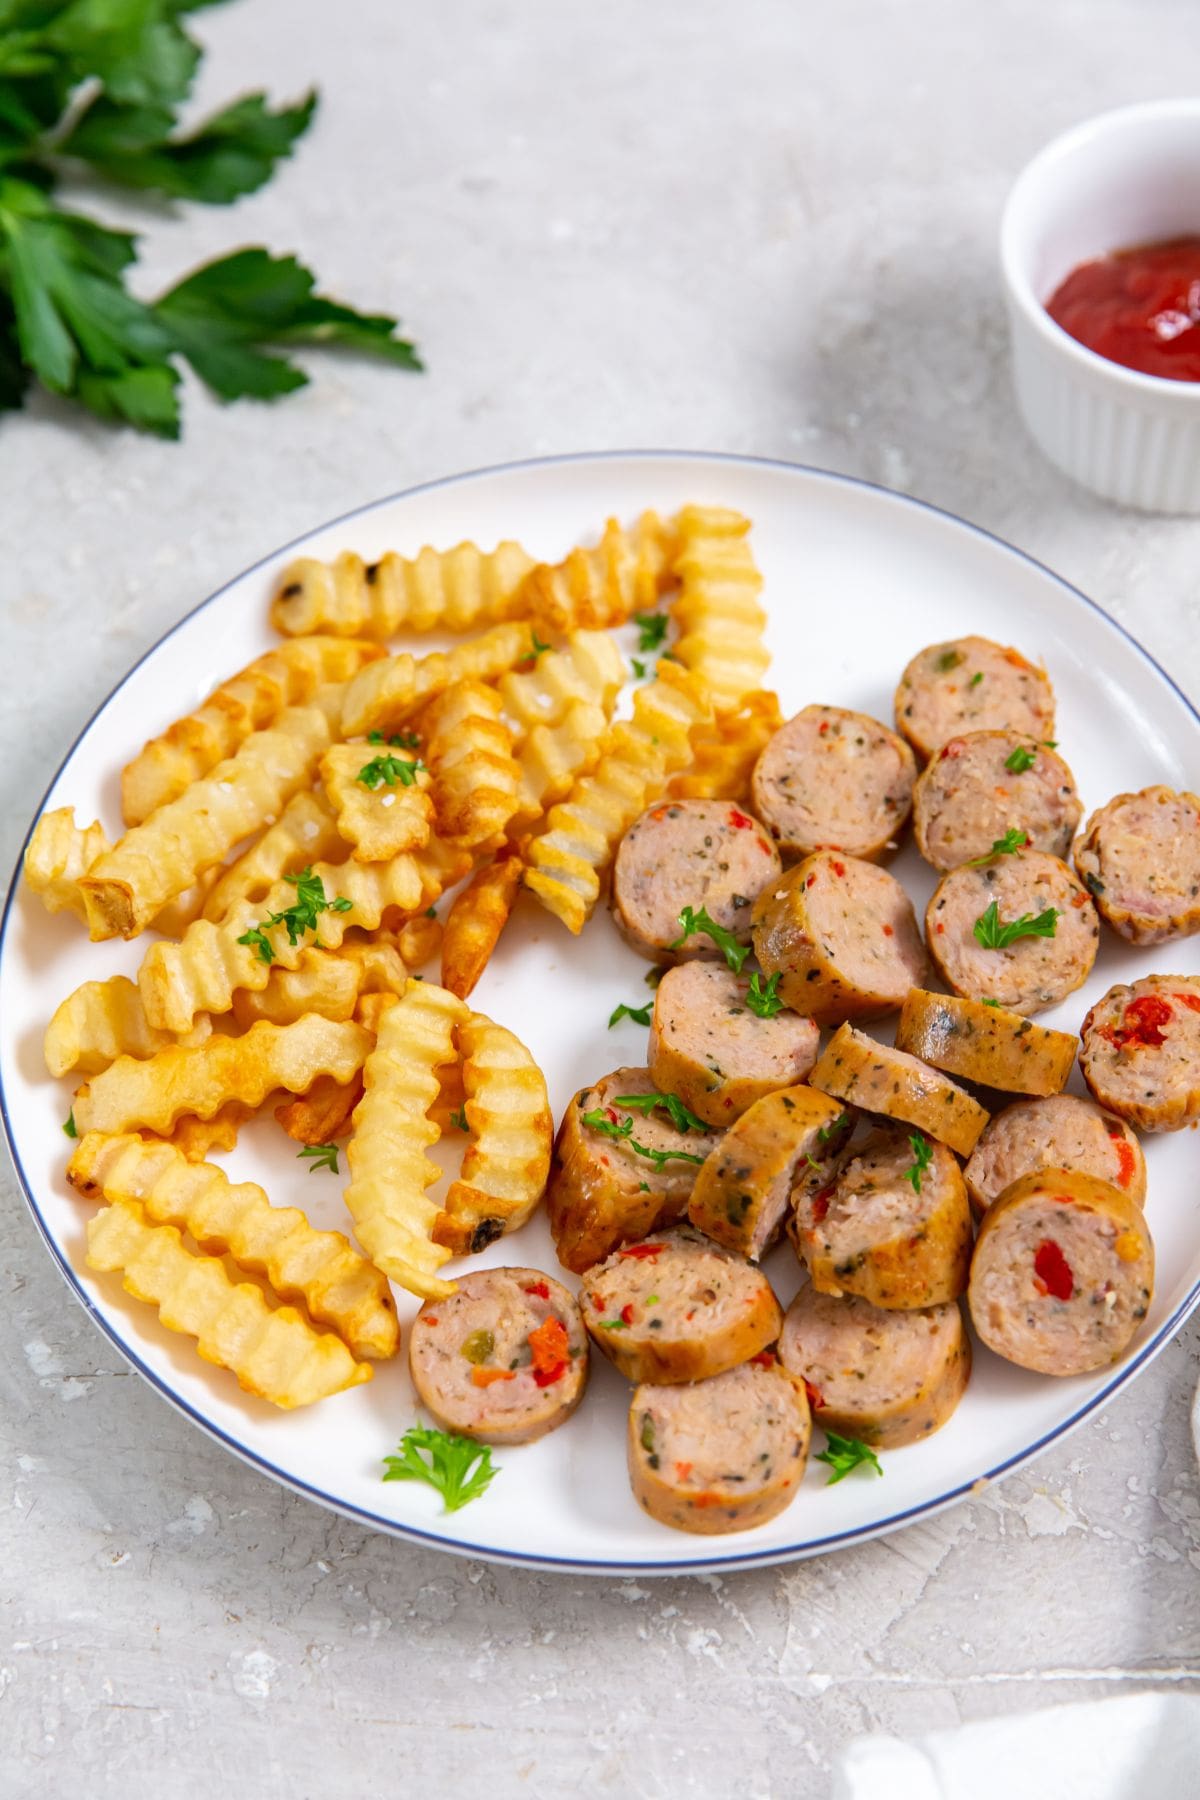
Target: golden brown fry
[
  {"x": 159, "y": 859},
  {"x": 624, "y": 573},
  {"x": 447, "y": 1110},
  {"x": 249, "y": 701},
  {"x": 469, "y": 752},
  {"x": 197, "y": 1139},
  {"x": 393, "y": 1219},
  {"x": 306, "y": 832},
  {"x": 103, "y": 1020},
  {"x": 552, "y": 759},
  {"x": 155, "y": 1093},
  {"x": 476, "y": 919},
  {"x": 384, "y": 696},
  {"x": 380, "y": 816},
  {"x": 717, "y": 611},
  {"x": 506, "y": 1165},
  {"x": 324, "y": 981},
  {"x": 319, "y": 1268},
  {"x": 173, "y": 919},
  {"x": 273, "y": 1351},
  {"x": 324, "y": 1113},
  {"x": 419, "y": 941},
  {"x": 724, "y": 752},
  {"x": 588, "y": 667},
  {"x": 59, "y": 852},
  {"x": 454, "y": 589}
]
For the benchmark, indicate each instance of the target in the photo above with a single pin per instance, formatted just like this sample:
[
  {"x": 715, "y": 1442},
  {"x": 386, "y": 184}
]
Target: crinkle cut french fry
[
  {"x": 454, "y": 589},
  {"x": 393, "y": 1218},
  {"x": 380, "y": 815},
  {"x": 251, "y": 700},
  {"x": 320, "y": 1268},
  {"x": 59, "y": 852},
  {"x": 198, "y": 1139},
  {"x": 420, "y": 941},
  {"x": 566, "y": 860},
  {"x": 324, "y": 1113},
  {"x": 159, "y": 859},
  {"x": 476, "y": 919},
  {"x": 328, "y": 982},
  {"x": 103, "y": 1020},
  {"x": 506, "y": 1165},
  {"x": 552, "y": 759},
  {"x": 385, "y": 695},
  {"x": 272, "y": 1351},
  {"x": 724, "y": 752},
  {"x": 155, "y": 1093},
  {"x": 209, "y": 965},
  {"x": 625, "y": 572},
  {"x": 306, "y": 832},
  {"x": 468, "y": 748},
  {"x": 588, "y": 667},
  {"x": 173, "y": 919},
  {"x": 717, "y": 610}
]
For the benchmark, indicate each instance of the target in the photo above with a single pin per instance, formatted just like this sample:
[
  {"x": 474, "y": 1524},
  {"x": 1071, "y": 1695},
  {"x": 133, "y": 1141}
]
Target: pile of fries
[{"x": 287, "y": 844}]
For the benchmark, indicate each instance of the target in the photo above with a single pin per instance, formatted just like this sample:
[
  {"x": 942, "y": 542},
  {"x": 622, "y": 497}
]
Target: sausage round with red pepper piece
[
  {"x": 743, "y": 1192},
  {"x": 1062, "y": 1274},
  {"x": 885, "y": 1378},
  {"x": 604, "y": 1188},
  {"x": 503, "y": 1360},
  {"x": 986, "y": 1044},
  {"x": 708, "y": 1046},
  {"x": 834, "y": 779},
  {"x": 697, "y": 853},
  {"x": 861, "y": 1071},
  {"x": 1062, "y": 1131},
  {"x": 1139, "y": 858},
  {"x": 896, "y": 1227},
  {"x": 993, "y": 787},
  {"x": 971, "y": 684},
  {"x": 677, "y": 1307},
  {"x": 971, "y": 928},
  {"x": 842, "y": 937},
  {"x": 1140, "y": 1052},
  {"x": 719, "y": 1455}
]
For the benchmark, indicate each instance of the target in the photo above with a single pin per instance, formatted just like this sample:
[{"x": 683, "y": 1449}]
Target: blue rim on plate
[{"x": 574, "y": 1565}]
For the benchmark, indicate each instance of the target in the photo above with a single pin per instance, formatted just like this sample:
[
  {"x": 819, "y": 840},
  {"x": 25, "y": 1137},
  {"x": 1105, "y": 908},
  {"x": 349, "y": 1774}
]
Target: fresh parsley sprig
[
  {"x": 399, "y": 740},
  {"x": 825, "y": 1132},
  {"x": 992, "y": 935},
  {"x": 389, "y": 770},
  {"x": 691, "y": 922},
  {"x": 70, "y": 1128},
  {"x": 310, "y": 904},
  {"x": 764, "y": 999},
  {"x": 458, "y": 1119},
  {"x": 622, "y": 1131},
  {"x": 681, "y": 1116},
  {"x": 922, "y": 1151},
  {"x": 458, "y": 1467},
  {"x": 639, "y": 1014},
  {"x": 319, "y": 1156},
  {"x": 1013, "y": 840},
  {"x": 1022, "y": 758},
  {"x": 843, "y": 1454},
  {"x": 652, "y": 629}
]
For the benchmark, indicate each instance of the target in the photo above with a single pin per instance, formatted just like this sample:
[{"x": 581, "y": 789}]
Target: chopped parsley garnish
[
  {"x": 949, "y": 659},
  {"x": 990, "y": 1002},
  {"x": 431, "y": 912},
  {"x": 691, "y": 922},
  {"x": 599, "y": 1121},
  {"x": 389, "y": 769},
  {"x": 613, "y": 1325},
  {"x": 1013, "y": 840},
  {"x": 321, "y": 1156},
  {"x": 652, "y": 629},
  {"x": 1020, "y": 759},
  {"x": 399, "y": 740},
  {"x": 639, "y": 1014},
  {"x": 309, "y": 905},
  {"x": 843, "y": 1454},
  {"x": 976, "y": 679},
  {"x": 682, "y": 1118},
  {"x": 639, "y": 667},
  {"x": 458, "y": 1467},
  {"x": 536, "y": 648},
  {"x": 826, "y": 1131},
  {"x": 764, "y": 999},
  {"x": 994, "y": 936},
  {"x": 70, "y": 1128},
  {"x": 459, "y": 1119},
  {"x": 922, "y": 1151}
]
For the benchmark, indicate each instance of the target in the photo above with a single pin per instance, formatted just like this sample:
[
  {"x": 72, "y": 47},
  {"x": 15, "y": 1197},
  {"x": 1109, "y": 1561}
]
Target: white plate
[{"x": 857, "y": 579}]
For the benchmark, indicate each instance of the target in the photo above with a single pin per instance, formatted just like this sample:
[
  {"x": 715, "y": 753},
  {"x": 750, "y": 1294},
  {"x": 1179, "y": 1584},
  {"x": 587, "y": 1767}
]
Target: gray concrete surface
[{"x": 764, "y": 227}]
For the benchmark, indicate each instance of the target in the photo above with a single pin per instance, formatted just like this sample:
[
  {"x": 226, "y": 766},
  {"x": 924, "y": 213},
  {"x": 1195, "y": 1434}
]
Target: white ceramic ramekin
[{"x": 1128, "y": 177}]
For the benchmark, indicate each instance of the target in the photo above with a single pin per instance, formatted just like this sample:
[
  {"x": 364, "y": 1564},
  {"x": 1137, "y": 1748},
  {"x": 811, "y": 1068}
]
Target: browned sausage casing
[
  {"x": 987, "y": 1044},
  {"x": 1139, "y": 858},
  {"x": 743, "y": 1192},
  {"x": 858, "y": 1069},
  {"x": 1061, "y": 1131},
  {"x": 707, "y": 1046},
  {"x": 1140, "y": 1051}
]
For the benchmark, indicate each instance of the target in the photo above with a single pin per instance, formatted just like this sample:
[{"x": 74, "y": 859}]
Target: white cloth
[{"x": 1123, "y": 1748}]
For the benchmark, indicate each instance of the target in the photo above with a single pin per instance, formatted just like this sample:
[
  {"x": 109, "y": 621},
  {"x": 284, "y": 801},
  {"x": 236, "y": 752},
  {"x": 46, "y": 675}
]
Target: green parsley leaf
[
  {"x": 297, "y": 919},
  {"x": 922, "y": 1151},
  {"x": 388, "y": 770},
  {"x": 321, "y": 1156},
  {"x": 639, "y": 1014},
  {"x": 988, "y": 1002},
  {"x": 639, "y": 667},
  {"x": 70, "y": 1128},
  {"x": 431, "y": 912},
  {"x": 976, "y": 679},
  {"x": 459, "y": 1119},
  {"x": 613, "y": 1325},
  {"x": 652, "y": 629},
  {"x": 1013, "y": 840},
  {"x": 994, "y": 936},
  {"x": 762, "y": 1000},
  {"x": 1019, "y": 760},
  {"x": 458, "y": 1467},
  {"x": 258, "y": 939},
  {"x": 681, "y": 1116},
  {"x": 537, "y": 648},
  {"x": 825, "y": 1132},
  {"x": 691, "y": 922},
  {"x": 843, "y": 1454},
  {"x": 598, "y": 1120}
]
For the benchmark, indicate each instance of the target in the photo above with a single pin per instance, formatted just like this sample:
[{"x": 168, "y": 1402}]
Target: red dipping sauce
[{"x": 1139, "y": 307}]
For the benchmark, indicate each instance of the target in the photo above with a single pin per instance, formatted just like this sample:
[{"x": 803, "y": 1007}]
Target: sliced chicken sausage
[
  {"x": 986, "y": 1044},
  {"x": 834, "y": 779},
  {"x": 861, "y": 1071},
  {"x": 677, "y": 1307},
  {"x": 842, "y": 937},
  {"x": 1060, "y": 1132},
  {"x": 604, "y": 1189},
  {"x": 719, "y": 1455},
  {"x": 1140, "y": 1052},
  {"x": 710, "y": 1048},
  {"x": 697, "y": 853},
  {"x": 885, "y": 1378},
  {"x": 743, "y": 1192},
  {"x": 971, "y": 684},
  {"x": 1062, "y": 1274},
  {"x": 992, "y": 787},
  {"x": 503, "y": 1360},
  {"x": 971, "y": 921},
  {"x": 1139, "y": 858}
]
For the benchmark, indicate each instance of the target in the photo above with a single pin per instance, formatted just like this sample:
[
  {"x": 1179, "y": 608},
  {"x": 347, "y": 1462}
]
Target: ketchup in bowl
[{"x": 1139, "y": 307}]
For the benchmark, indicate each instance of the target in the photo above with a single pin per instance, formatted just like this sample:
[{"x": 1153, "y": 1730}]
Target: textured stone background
[{"x": 765, "y": 227}]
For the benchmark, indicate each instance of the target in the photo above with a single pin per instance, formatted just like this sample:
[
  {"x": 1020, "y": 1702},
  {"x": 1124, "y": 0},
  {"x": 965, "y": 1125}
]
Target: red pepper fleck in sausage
[
  {"x": 1053, "y": 1271},
  {"x": 643, "y": 1249}
]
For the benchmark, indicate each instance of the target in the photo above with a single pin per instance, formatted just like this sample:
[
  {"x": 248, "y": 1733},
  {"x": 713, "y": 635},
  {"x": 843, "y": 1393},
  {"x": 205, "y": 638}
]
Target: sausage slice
[
  {"x": 834, "y": 778},
  {"x": 677, "y": 1307},
  {"x": 885, "y": 1378},
  {"x": 1031, "y": 971},
  {"x": 504, "y": 1359},
  {"x": 719, "y": 1455},
  {"x": 979, "y": 787},
  {"x": 1140, "y": 1051},
  {"x": 697, "y": 853},
  {"x": 842, "y": 936},
  {"x": 742, "y": 1193},
  {"x": 887, "y": 1239},
  {"x": 603, "y": 1192},
  {"x": 707, "y": 1046},
  {"x": 987, "y": 1044},
  {"x": 971, "y": 684},
  {"x": 1062, "y": 1274},
  {"x": 859, "y": 1069},
  {"x": 1139, "y": 858},
  {"x": 1061, "y": 1132}
]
